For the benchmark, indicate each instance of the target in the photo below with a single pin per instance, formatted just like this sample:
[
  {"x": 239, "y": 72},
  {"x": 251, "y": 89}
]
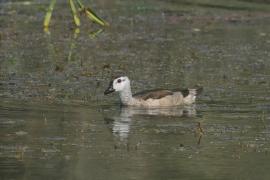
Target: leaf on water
[
  {"x": 74, "y": 12},
  {"x": 92, "y": 16},
  {"x": 48, "y": 15}
]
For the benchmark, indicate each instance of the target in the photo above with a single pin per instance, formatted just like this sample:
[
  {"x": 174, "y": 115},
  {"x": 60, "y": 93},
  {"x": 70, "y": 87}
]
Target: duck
[{"x": 152, "y": 98}]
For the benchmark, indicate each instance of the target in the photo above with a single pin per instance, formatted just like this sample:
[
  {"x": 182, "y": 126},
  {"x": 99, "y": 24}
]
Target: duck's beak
[{"x": 109, "y": 90}]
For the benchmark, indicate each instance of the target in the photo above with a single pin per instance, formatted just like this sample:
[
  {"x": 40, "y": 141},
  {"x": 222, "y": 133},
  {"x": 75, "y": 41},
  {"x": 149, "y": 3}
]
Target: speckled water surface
[{"x": 55, "y": 122}]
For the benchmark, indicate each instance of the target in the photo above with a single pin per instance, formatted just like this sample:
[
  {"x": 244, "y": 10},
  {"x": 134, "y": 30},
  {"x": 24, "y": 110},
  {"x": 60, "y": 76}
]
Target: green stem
[
  {"x": 48, "y": 15},
  {"x": 73, "y": 43},
  {"x": 74, "y": 12},
  {"x": 80, "y": 4}
]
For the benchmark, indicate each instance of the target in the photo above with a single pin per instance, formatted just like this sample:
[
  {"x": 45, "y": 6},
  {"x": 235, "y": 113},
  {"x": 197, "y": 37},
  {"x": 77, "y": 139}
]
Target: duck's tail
[
  {"x": 192, "y": 94},
  {"x": 196, "y": 91}
]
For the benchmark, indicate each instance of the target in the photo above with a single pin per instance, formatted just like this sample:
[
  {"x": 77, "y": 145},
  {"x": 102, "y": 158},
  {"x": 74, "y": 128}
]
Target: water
[{"x": 56, "y": 123}]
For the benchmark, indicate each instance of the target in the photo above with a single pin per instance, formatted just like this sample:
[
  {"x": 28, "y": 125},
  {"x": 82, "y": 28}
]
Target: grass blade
[
  {"x": 92, "y": 16},
  {"x": 80, "y": 4},
  {"x": 48, "y": 15},
  {"x": 74, "y": 12}
]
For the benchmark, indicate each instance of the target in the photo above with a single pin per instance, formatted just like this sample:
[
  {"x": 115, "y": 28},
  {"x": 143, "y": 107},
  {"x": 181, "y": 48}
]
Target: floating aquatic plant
[{"x": 77, "y": 8}]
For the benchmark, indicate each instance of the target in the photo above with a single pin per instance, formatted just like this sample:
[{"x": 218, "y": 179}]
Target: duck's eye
[{"x": 119, "y": 80}]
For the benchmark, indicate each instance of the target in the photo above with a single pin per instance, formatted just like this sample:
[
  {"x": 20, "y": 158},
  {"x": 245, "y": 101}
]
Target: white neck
[{"x": 126, "y": 96}]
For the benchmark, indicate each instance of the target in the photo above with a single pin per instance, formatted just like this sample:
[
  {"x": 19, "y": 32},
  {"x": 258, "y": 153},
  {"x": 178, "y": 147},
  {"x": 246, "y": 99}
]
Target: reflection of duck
[
  {"x": 120, "y": 125},
  {"x": 152, "y": 98}
]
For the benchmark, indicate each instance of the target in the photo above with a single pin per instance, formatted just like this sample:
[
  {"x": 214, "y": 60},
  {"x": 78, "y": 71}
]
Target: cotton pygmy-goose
[{"x": 151, "y": 98}]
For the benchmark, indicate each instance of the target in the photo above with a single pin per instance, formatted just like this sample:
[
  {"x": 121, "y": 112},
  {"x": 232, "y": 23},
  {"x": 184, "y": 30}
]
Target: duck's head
[{"x": 118, "y": 84}]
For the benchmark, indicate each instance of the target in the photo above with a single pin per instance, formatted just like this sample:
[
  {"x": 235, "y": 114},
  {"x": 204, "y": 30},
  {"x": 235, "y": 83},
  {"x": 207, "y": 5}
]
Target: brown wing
[
  {"x": 153, "y": 94},
  {"x": 185, "y": 92}
]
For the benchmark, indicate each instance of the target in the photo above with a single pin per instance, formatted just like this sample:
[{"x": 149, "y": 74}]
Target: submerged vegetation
[{"x": 77, "y": 9}]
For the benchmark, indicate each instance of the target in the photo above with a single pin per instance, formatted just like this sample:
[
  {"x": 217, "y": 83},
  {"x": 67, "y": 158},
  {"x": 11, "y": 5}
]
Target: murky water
[{"x": 55, "y": 122}]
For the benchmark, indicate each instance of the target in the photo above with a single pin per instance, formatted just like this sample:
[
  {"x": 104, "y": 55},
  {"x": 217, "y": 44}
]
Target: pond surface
[{"x": 55, "y": 122}]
